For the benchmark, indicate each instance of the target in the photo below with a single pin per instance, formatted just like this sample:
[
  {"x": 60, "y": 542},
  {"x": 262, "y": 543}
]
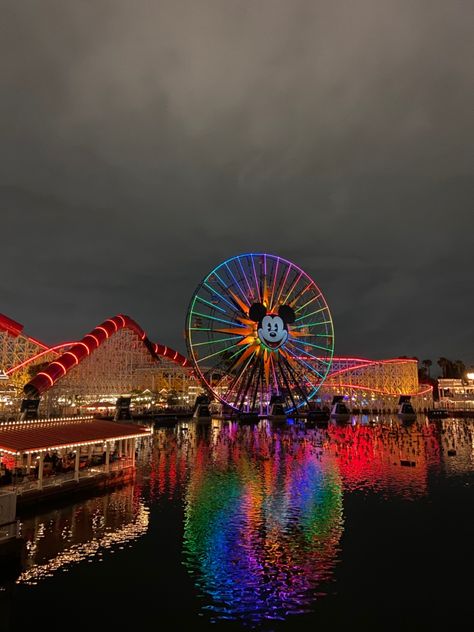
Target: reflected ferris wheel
[{"x": 258, "y": 329}]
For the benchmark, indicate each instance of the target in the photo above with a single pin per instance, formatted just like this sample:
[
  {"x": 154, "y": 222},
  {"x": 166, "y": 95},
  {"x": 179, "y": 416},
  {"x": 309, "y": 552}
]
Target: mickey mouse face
[
  {"x": 273, "y": 331},
  {"x": 272, "y": 328}
]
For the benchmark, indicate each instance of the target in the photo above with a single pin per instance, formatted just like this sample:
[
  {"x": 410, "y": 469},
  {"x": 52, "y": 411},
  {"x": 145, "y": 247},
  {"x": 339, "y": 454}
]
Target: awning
[{"x": 31, "y": 436}]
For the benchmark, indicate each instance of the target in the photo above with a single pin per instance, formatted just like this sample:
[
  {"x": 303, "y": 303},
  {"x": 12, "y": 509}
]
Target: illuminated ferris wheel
[{"x": 258, "y": 330}]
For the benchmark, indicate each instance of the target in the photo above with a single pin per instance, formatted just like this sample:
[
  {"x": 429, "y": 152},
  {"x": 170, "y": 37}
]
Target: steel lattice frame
[
  {"x": 16, "y": 351},
  {"x": 376, "y": 384},
  {"x": 120, "y": 365}
]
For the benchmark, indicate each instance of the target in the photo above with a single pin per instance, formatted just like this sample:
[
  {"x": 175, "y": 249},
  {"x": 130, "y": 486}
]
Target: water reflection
[
  {"x": 84, "y": 531},
  {"x": 262, "y": 506},
  {"x": 263, "y": 520}
]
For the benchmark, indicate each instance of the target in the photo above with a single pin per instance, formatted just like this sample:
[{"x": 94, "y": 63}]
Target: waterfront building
[
  {"x": 456, "y": 394},
  {"x": 45, "y": 457}
]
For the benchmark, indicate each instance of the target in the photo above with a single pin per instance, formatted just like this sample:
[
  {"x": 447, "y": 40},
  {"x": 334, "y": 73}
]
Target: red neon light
[
  {"x": 110, "y": 320},
  {"x": 86, "y": 347},
  {"x": 10, "y": 325},
  {"x": 38, "y": 342},
  {"x": 92, "y": 336},
  {"x": 127, "y": 322},
  {"x": 374, "y": 390},
  {"x": 38, "y": 355},
  {"x": 73, "y": 355},
  {"x": 60, "y": 364},
  {"x": 48, "y": 376}
]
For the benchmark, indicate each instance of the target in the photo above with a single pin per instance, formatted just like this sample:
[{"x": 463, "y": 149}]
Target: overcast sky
[{"x": 144, "y": 142}]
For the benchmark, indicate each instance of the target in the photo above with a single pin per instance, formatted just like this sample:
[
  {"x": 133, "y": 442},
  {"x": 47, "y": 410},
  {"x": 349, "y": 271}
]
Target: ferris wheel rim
[{"x": 251, "y": 256}]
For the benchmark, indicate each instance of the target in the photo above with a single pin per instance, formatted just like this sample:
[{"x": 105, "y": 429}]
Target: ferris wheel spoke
[
  {"x": 315, "y": 298},
  {"x": 216, "y": 341},
  {"x": 214, "y": 291},
  {"x": 321, "y": 322},
  {"x": 251, "y": 294},
  {"x": 275, "y": 276},
  {"x": 282, "y": 285},
  {"x": 298, "y": 277},
  {"x": 298, "y": 358},
  {"x": 295, "y": 342},
  {"x": 244, "y": 387},
  {"x": 260, "y": 380},
  {"x": 212, "y": 305},
  {"x": 287, "y": 384},
  {"x": 244, "y": 296},
  {"x": 234, "y": 365},
  {"x": 256, "y": 281},
  {"x": 295, "y": 378},
  {"x": 274, "y": 374},
  {"x": 318, "y": 311},
  {"x": 221, "y": 320},
  {"x": 303, "y": 291},
  {"x": 211, "y": 355},
  {"x": 300, "y": 363}
]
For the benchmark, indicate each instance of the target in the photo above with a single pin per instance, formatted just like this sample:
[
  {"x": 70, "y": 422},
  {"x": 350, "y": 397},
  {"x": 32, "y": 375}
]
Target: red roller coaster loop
[{"x": 85, "y": 347}]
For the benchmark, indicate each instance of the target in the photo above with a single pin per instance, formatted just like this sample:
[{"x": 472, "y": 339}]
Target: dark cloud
[{"x": 144, "y": 142}]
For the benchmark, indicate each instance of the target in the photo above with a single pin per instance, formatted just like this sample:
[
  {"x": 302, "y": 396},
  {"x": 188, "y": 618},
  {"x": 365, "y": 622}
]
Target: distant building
[{"x": 456, "y": 393}]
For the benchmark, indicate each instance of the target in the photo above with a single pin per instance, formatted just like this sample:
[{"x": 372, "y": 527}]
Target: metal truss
[
  {"x": 17, "y": 351},
  {"x": 119, "y": 366},
  {"x": 376, "y": 384}
]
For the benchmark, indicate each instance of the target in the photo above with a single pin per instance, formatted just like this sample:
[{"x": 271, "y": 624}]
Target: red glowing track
[
  {"x": 55, "y": 370},
  {"x": 39, "y": 355},
  {"x": 79, "y": 350}
]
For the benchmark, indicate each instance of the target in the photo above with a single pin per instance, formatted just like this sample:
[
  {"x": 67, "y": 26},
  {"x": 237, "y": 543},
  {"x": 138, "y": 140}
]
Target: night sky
[{"x": 142, "y": 143}]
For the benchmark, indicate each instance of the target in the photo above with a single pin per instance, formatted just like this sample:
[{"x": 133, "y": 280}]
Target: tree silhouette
[{"x": 427, "y": 364}]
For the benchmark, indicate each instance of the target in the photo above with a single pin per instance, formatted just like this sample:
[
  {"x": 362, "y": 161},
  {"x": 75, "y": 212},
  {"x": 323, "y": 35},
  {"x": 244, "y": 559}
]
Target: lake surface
[{"x": 366, "y": 525}]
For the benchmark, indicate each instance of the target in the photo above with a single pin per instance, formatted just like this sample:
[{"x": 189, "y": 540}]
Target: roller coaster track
[{"x": 78, "y": 351}]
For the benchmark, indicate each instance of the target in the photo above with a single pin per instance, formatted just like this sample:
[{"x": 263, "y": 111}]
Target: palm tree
[
  {"x": 460, "y": 368},
  {"x": 444, "y": 364},
  {"x": 427, "y": 364}
]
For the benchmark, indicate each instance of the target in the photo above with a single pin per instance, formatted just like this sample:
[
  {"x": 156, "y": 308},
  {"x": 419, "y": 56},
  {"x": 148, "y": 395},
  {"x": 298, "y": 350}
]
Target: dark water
[{"x": 363, "y": 526}]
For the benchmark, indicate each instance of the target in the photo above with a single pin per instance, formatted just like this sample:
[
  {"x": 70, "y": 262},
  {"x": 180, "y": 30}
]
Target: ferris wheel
[{"x": 258, "y": 329}]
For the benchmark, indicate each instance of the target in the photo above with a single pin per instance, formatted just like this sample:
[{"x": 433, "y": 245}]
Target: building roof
[{"x": 36, "y": 436}]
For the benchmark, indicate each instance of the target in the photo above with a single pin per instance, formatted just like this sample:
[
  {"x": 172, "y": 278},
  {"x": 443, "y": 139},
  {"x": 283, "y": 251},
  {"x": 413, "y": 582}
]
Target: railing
[{"x": 57, "y": 480}]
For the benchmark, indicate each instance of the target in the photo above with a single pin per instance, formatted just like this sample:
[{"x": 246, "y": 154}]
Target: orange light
[{"x": 104, "y": 330}]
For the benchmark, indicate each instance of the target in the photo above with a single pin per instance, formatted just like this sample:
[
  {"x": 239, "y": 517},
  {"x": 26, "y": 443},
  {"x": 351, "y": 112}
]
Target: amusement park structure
[
  {"x": 258, "y": 331},
  {"x": 114, "y": 359}
]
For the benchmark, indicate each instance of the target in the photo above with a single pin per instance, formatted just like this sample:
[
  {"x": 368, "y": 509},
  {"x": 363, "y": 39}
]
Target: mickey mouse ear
[
  {"x": 257, "y": 311},
  {"x": 286, "y": 313}
]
